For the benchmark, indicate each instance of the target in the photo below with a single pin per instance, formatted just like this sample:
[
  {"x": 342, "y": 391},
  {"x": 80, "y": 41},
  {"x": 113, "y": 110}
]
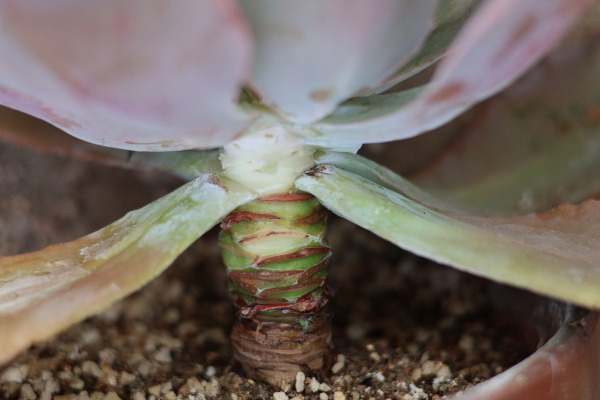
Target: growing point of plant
[{"x": 267, "y": 159}]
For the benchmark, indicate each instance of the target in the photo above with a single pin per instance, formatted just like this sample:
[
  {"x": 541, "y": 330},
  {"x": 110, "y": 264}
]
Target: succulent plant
[{"x": 262, "y": 106}]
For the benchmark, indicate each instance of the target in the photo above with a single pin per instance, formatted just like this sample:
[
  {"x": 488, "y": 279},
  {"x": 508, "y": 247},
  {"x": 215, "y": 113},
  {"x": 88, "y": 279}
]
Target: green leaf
[
  {"x": 555, "y": 253},
  {"x": 43, "y": 292},
  {"x": 530, "y": 148}
]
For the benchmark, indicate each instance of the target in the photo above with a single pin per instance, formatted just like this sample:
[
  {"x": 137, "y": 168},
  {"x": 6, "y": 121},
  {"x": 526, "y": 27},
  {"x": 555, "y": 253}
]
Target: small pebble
[
  {"x": 166, "y": 387},
  {"x": 62, "y": 375},
  {"x": 126, "y": 378},
  {"x": 300, "y": 377},
  {"x": 466, "y": 343},
  {"x": 77, "y": 383},
  {"x": 417, "y": 392},
  {"x": 52, "y": 386},
  {"x": 437, "y": 382},
  {"x": 337, "y": 367},
  {"x": 27, "y": 392},
  {"x": 210, "y": 372},
  {"x": 154, "y": 390},
  {"x": 323, "y": 396},
  {"x": 375, "y": 356},
  {"x": 138, "y": 396},
  {"x": 323, "y": 387},
  {"x": 314, "y": 385},
  {"x": 94, "y": 396},
  {"x": 234, "y": 396},
  {"x": 90, "y": 336},
  {"x": 83, "y": 395},
  {"x": 212, "y": 390},
  {"x": 170, "y": 395},
  {"x": 417, "y": 374},
  {"x": 339, "y": 396},
  {"x": 108, "y": 355},
  {"x": 428, "y": 369},
  {"x": 163, "y": 355},
  {"x": 285, "y": 387},
  {"x": 444, "y": 371},
  {"x": 145, "y": 368},
  {"x": 13, "y": 374},
  {"x": 280, "y": 396},
  {"x": 111, "y": 396},
  {"x": 379, "y": 376},
  {"x": 93, "y": 369}
]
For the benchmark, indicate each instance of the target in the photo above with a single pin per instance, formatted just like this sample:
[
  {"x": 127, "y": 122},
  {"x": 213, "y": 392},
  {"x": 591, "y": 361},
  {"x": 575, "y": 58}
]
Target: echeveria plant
[{"x": 263, "y": 104}]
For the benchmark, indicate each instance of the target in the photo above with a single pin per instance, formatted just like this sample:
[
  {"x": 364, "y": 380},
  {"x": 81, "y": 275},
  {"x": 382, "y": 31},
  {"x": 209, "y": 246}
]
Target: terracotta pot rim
[{"x": 565, "y": 367}]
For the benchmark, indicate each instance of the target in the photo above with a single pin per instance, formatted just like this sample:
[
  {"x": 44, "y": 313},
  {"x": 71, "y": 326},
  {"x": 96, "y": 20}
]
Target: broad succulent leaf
[
  {"x": 137, "y": 75},
  {"x": 451, "y": 17},
  {"x": 43, "y": 292},
  {"x": 532, "y": 147},
  {"x": 554, "y": 253},
  {"x": 499, "y": 43},
  {"x": 27, "y": 131},
  {"x": 312, "y": 55}
]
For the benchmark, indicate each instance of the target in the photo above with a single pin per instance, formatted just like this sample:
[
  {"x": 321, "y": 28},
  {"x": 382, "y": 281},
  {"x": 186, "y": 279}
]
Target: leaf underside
[
  {"x": 43, "y": 292},
  {"x": 554, "y": 253},
  {"x": 27, "y": 131}
]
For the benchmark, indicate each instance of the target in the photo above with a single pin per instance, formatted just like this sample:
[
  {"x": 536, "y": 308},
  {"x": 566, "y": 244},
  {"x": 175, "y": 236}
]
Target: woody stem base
[
  {"x": 277, "y": 261},
  {"x": 274, "y": 352}
]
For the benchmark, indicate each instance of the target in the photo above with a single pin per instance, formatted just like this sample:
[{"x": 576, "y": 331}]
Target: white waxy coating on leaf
[
  {"x": 43, "y": 292},
  {"x": 142, "y": 75},
  {"x": 267, "y": 160}
]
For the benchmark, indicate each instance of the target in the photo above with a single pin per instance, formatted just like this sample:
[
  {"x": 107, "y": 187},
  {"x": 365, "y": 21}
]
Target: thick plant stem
[{"x": 277, "y": 260}]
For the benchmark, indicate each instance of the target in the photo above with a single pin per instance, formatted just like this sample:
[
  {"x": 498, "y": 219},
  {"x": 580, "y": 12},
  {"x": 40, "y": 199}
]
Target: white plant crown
[{"x": 268, "y": 157}]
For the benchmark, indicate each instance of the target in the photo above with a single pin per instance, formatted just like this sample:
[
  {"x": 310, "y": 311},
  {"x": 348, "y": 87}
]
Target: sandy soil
[{"x": 404, "y": 328}]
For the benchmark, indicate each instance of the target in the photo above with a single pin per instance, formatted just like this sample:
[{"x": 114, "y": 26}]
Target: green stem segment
[{"x": 277, "y": 261}]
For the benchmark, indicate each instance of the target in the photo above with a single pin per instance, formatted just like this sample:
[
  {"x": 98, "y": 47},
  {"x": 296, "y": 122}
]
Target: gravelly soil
[{"x": 404, "y": 328}]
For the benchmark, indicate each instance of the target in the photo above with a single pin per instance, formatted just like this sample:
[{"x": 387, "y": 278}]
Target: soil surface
[{"x": 404, "y": 327}]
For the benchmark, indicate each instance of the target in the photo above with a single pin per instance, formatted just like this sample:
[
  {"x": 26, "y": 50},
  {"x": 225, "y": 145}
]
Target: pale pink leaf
[
  {"x": 140, "y": 75},
  {"x": 504, "y": 38},
  {"x": 313, "y": 54}
]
